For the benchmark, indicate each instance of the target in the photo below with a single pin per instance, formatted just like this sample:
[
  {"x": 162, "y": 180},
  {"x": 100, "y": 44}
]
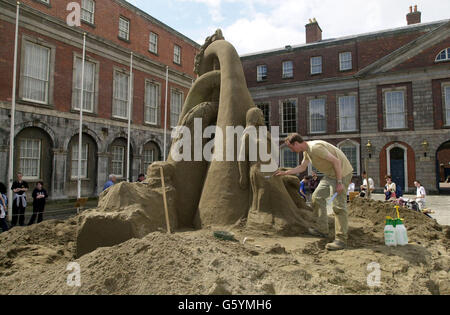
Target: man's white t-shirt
[
  {"x": 371, "y": 182},
  {"x": 421, "y": 192}
]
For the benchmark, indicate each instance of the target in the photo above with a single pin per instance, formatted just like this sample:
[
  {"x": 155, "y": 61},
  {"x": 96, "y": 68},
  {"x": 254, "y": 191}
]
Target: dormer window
[{"x": 443, "y": 55}]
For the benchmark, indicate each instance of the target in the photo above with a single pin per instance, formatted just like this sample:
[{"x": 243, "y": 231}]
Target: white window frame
[
  {"x": 283, "y": 118},
  {"x": 445, "y": 53},
  {"x": 261, "y": 76},
  {"x": 404, "y": 112},
  {"x": 86, "y": 11},
  {"x": 285, "y": 149},
  {"x": 22, "y": 158},
  {"x": 123, "y": 30},
  {"x": 122, "y": 161},
  {"x": 148, "y": 106},
  {"x": 153, "y": 42},
  {"x": 175, "y": 111},
  {"x": 116, "y": 99},
  {"x": 446, "y": 102},
  {"x": 288, "y": 72},
  {"x": 77, "y": 90},
  {"x": 84, "y": 160},
  {"x": 340, "y": 98},
  {"x": 46, "y": 80},
  {"x": 310, "y": 104},
  {"x": 177, "y": 54},
  {"x": 357, "y": 146},
  {"x": 316, "y": 65},
  {"x": 345, "y": 61}
]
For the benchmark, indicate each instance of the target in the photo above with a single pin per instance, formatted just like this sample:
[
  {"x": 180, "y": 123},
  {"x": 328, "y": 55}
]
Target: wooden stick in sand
[{"x": 166, "y": 210}]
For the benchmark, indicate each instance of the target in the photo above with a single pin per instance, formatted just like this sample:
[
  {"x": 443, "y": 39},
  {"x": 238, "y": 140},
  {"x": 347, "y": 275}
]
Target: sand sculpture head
[{"x": 255, "y": 117}]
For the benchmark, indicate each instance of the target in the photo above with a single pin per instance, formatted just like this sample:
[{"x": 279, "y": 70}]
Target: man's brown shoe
[{"x": 336, "y": 245}]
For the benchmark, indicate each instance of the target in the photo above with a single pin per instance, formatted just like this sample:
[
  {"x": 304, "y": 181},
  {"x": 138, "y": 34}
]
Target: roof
[{"x": 334, "y": 41}]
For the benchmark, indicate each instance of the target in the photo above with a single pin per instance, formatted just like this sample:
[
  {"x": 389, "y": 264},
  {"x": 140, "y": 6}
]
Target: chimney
[
  {"x": 414, "y": 17},
  {"x": 313, "y": 32}
]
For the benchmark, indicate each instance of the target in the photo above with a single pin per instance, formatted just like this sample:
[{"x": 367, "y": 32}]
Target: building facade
[
  {"x": 49, "y": 90},
  {"x": 383, "y": 98}
]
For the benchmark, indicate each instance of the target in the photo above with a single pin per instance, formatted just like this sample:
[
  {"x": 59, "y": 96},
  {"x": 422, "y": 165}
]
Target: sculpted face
[{"x": 255, "y": 117}]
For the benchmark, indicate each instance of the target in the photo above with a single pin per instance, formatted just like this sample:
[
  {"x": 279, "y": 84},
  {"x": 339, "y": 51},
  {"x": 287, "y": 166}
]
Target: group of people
[
  {"x": 19, "y": 203},
  {"x": 113, "y": 179},
  {"x": 308, "y": 185},
  {"x": 393, "y": 191}
]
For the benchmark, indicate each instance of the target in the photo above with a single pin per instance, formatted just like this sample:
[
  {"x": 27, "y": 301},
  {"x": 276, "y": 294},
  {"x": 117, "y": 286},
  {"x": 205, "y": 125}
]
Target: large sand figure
[{"x": 200, "y": 193}]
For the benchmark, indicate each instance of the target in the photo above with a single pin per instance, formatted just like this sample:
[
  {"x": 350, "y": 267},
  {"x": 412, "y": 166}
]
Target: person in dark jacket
[
  {"x": 39, "y": 197},
  {"x": 20, "y": 188}
]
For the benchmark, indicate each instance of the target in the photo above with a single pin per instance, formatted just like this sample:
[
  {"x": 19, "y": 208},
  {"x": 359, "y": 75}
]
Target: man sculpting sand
[{"x": 338, "y": 171}]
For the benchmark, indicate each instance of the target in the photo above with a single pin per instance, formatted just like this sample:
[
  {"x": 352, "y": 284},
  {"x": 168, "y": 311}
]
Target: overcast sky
[{"x": 255, "y": 25}]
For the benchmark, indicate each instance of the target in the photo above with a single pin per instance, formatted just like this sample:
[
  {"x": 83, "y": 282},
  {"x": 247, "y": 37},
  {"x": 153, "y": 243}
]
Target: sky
[{"x": 257, "y": 25}]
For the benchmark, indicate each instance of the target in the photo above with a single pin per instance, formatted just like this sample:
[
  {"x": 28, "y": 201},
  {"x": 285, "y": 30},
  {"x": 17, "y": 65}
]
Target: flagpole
[
  {"x": 130, "y": 99},
  {"x": 165, "y": 113},
  {"x": 80, "y": 139},
  {"x": 13, "y": 119}
]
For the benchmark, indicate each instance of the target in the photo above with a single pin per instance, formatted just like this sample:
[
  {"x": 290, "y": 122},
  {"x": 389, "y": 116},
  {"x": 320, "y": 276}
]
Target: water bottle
[
  {"x": 390, "y": 237},
  {"x": 401, "y": 233}
]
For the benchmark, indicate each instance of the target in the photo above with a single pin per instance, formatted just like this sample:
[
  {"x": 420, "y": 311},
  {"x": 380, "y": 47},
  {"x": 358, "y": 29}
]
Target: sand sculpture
[{"x": 201, "y": 193}]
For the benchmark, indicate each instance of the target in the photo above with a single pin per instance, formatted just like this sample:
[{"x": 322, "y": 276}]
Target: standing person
[
  {"x": 110, "y": 182},
  {"x": 420, "y": 195},
  {"x": 20, "y": 188},
  {"x": 303, "y": 184},
  {"x": 39, "y": 198},
  {"x": 365, "y": 185},
  {"x": 390, "y": 188},
  {"x": 338, "y": 172},
  {"x": 3, "y": 208}
]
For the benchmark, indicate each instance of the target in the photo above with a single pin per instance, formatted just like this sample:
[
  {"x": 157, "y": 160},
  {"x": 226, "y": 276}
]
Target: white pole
[
  {"x": 130, "y": 99},
  {"x": 165, "y": 112},
  {"x": 13, "y": 120},
  {"x": 80, "y": 139}
]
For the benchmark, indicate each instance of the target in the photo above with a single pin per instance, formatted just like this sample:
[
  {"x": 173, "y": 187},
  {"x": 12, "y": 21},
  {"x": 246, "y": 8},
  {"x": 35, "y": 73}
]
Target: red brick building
[
  {"x": 389, "y": 88},
  {"x": 48, "y": 90}
]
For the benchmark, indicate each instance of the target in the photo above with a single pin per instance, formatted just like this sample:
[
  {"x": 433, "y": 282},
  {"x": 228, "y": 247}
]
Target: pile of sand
[{"x": 34, "y": 261}]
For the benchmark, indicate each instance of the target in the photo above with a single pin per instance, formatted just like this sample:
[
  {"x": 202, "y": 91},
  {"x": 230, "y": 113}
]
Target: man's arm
[{"x": 298, "y": 170}]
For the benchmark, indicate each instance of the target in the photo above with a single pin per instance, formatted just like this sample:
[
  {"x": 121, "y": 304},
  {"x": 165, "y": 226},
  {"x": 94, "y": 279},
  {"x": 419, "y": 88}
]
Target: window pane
[
  {"x": 87, "y": 10},
  {"x": 89, "y": 85},
  {"x": 395, "y": 110},
  {"x": 288, "y": 69},
  {"x": 347, "y": 113},
  {"x": 124, "y": 26},
  {"x": 345, "y": 61},
  {"x": 149, "y": 157},
  {"x": 290, "y": 159},
  {"x": 120, "y": 102},
  {"x": 289, "y": 117},
  {"x": 351, "y": 154},
  {"x": 36, "y": 70},
  {"x": 84, "y": 160},
  {"x": 316, "y": 65},
  {"x": 153, "y": 43},
  {"x": 29, "y": 157},
  {"x": 118, "y": 154},
  {"x": 317, "y": 115},
  {"x": 176, "y": 103},
  {"x": 266, "y": 112},
  {"x": 261, "y": 73},
  {"x": 151, "y": 103},
  {"x": 177, "y": 54}
]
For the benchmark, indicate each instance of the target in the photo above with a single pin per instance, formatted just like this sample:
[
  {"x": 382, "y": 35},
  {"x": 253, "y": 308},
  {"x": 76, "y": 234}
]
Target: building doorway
[
  {"x": 397, "y": 166},
  {"x": 443, "y": 167}
]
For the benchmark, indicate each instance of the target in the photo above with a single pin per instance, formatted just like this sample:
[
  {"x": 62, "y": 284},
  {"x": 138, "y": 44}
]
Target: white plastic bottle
[
  {"x": 390, "y": 237},
  {"x": 401, "y": 232}
]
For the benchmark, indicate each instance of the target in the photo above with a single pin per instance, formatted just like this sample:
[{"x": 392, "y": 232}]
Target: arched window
[
  {"x": 351, "y": 151},
  {"x": 444, "y": 55},
  {"x": 289, "y": 159}
]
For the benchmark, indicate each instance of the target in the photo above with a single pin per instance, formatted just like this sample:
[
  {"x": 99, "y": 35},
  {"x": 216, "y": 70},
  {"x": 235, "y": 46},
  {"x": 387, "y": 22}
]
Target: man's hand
[
  {"x": 280, "y": 173},
  {"x": 340, "y": 188}
]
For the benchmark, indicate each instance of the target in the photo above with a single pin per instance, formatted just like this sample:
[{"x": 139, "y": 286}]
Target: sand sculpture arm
[
  {"x": 244, "y": 167},
  {"x": 298, "y": 170}
]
